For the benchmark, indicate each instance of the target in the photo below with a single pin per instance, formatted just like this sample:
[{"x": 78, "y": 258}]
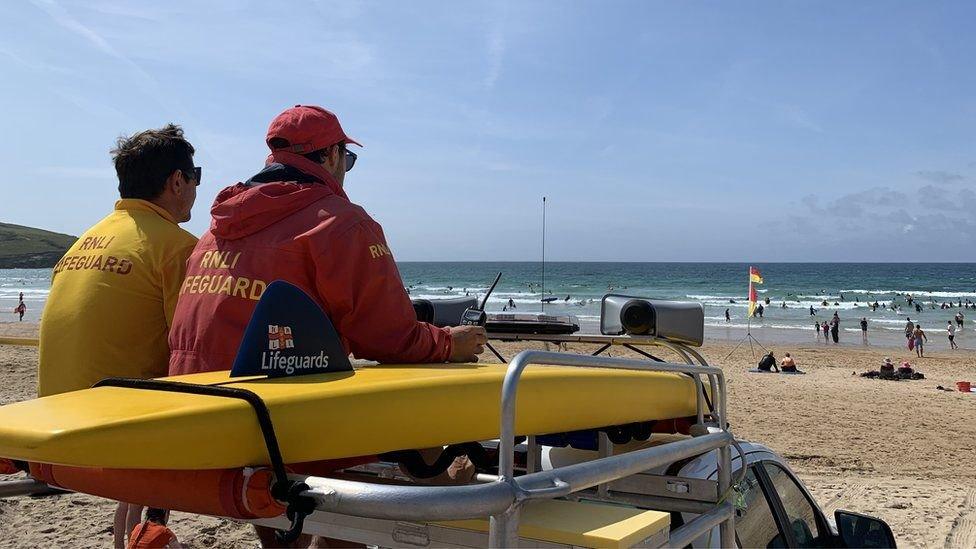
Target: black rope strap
[{"x": 283, "y": 489}]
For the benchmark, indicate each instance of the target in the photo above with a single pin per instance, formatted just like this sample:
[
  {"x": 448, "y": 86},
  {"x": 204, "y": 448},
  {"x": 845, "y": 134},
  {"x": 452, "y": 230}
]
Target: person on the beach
[
  {"x": 835, "y": 327},
  {"x": 788, "y": 364},
  {"x": 864, "y": 329},
  {"x": 768, "y": 363},
  {"x": 293, "y": 221},
  {"x": 760, "y": 310},
  {"x": 887, "y": 369},
  {"x": 952, "y": 335},
  {"x": 959, "y": 319},
  {"x": 920, "y": 338},
  {"x": 909, "y": 329},
  {"x": 826, "y": 331},
  {"x": 511, "y": 303},
  {"x": 728, "y": 317},
  {"x": 816, "y": 329},
  {"x": 152, "y": 533},
  {"x": 812, "y": 310},
  {"x": 114, "y": 291},
  {"x": 21, "y": 309}
]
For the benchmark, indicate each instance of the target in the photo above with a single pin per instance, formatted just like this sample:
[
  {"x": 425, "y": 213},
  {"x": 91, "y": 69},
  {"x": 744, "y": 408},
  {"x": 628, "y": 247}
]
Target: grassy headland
[{"x": 30, "y": 248}]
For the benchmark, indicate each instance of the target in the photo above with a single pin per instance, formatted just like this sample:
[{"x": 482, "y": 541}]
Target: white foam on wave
[
  {"x": 842, "y": 305},
  {"x": 913, "y": 293},
  {"x": 26, "y": 291},
  {"x": 455, "y": 289}
]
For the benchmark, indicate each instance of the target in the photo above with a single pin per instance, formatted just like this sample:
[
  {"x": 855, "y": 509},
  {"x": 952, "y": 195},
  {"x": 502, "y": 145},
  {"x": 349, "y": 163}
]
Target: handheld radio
[{"x": 475, "y": 316}]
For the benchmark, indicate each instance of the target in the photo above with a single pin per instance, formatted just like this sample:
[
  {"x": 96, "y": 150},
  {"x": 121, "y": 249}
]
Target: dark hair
[
  {"x": 156, "y": 515},
  {"x": 318, "y": 156},
  {"x": 145, "y": 160}
]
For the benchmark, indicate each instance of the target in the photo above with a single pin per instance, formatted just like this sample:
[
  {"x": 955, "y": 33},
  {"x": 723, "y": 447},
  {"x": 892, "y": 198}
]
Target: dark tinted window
[
  {"x": 799, "y": 510},
  {"x": 754, "y": 523}
]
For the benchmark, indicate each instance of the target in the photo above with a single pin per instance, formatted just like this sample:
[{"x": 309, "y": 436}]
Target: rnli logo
[
  {"x": 279, "y": 337},
  {"x": 378, "y": 250}
]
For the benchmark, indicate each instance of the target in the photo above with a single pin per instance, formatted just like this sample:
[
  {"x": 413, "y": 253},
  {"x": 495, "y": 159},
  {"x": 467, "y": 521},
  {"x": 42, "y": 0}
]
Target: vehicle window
[
  {"x": 799, "y": 510},
  {"x": 754, "y": 522}
]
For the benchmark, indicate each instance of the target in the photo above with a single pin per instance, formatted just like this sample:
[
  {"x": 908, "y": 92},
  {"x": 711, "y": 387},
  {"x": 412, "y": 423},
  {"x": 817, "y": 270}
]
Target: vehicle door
[
  {"x": 756, "y": 522},
  {"x": 773, "y": 510},
  {"x": 800, "y": 519}
]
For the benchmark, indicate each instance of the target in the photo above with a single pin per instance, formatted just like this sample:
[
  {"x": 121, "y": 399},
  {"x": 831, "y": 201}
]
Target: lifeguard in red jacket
[{"x": 293, "y": 221}]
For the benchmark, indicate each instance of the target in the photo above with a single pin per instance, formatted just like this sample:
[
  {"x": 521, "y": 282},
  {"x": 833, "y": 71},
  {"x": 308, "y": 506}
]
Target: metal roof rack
[{"x": 502, "y": 498}]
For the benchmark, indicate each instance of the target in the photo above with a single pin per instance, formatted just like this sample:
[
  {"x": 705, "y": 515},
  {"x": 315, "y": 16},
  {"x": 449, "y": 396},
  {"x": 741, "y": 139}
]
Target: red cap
[{"x": 307, "y": 128}]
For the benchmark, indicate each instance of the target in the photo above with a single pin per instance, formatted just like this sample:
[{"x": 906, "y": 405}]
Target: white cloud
[
  {"x": 35, "y": 65},
  {"x": 146, "y": 81},
  {"x": 940, "y": 176},
  {"x": 496, "y": 54}
]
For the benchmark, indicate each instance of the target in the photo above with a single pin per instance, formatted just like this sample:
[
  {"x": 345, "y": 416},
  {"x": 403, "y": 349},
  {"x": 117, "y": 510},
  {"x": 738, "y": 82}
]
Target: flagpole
[{"x": 750, "y": 309}]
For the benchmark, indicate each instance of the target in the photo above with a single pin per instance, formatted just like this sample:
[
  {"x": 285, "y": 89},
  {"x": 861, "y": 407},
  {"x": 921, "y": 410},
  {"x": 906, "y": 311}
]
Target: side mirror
[{"x": 857, "y": 530}]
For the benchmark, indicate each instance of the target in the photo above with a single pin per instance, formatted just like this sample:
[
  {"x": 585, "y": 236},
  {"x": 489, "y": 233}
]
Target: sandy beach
[{"x": 898, "y": 450}]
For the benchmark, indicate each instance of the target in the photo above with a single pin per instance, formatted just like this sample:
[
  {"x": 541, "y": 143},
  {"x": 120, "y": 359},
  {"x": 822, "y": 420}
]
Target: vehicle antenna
[{"x": 543, "y": 254}]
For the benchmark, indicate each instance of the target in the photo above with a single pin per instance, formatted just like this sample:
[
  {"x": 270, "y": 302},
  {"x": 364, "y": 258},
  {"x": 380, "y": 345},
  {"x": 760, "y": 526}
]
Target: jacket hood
[{"x": 283, "y": 187}]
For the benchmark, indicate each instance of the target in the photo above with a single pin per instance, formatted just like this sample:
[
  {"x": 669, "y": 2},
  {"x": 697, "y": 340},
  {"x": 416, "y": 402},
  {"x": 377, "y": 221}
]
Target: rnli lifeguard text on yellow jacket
[{"x": 112, "y": 300}]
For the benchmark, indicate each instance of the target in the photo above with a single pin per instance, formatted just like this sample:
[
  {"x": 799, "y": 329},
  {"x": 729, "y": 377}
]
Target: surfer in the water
[{"x": 293, "y": 221}]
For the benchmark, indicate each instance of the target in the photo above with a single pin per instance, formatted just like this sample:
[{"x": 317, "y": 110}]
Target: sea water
[
  {"x": 847, "y": 288},
  {"x": 34, "y": 284}
]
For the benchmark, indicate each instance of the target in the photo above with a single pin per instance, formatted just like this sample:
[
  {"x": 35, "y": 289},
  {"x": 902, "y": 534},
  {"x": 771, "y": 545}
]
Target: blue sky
[{"x": 718, "y": 131}]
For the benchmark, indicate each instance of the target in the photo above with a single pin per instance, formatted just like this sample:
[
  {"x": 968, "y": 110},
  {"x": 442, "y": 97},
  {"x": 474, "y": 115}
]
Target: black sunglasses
[
  {"x": 350, "y": 159},
  {"x": 196, "y": 175}
]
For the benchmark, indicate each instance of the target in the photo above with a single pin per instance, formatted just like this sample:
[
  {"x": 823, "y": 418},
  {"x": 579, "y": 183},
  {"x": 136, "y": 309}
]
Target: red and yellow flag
[{"x": 754, "y": 278}]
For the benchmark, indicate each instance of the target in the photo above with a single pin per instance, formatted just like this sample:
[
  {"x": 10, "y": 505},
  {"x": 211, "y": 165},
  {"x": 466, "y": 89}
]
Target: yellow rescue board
[{"x": 327, "y": 416}]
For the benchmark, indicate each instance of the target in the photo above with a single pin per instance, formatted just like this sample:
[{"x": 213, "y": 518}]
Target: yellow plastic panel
[{"x": 581, "y": 524}]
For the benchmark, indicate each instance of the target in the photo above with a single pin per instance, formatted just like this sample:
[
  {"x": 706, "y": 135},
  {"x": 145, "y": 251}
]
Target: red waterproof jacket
[{"x": 293, "y": 222}]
